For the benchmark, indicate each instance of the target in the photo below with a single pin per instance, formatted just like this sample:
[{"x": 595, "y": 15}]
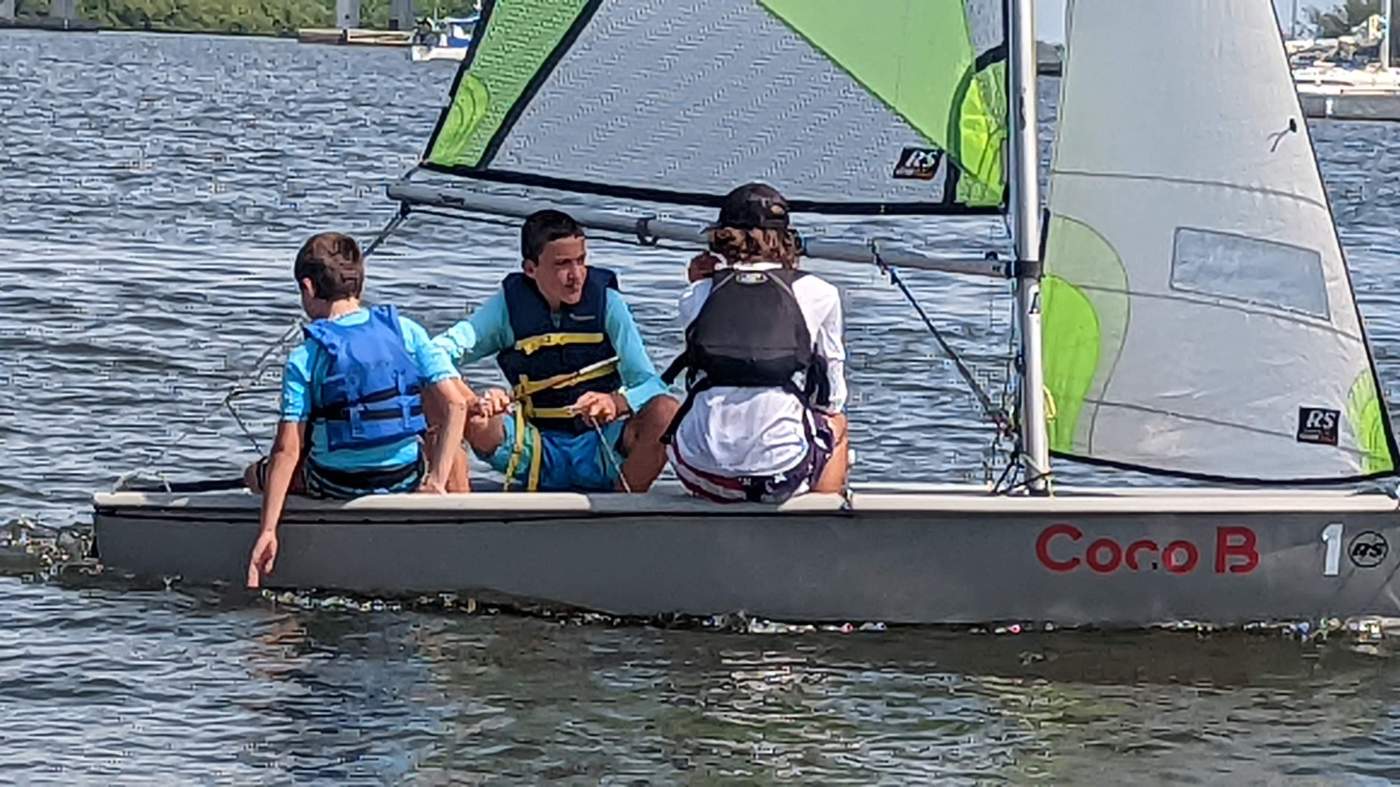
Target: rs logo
[
  {"x": 1322, "y": 419},
  {"x": 922, "y": 159}
]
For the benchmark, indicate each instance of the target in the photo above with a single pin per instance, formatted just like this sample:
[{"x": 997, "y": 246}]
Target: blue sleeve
[
  {"x": 485, "y": 333},
  {"x": 433, "y": 363},
  {"x": 296, "y": 385},
  {"x": 640, "y": 382}
]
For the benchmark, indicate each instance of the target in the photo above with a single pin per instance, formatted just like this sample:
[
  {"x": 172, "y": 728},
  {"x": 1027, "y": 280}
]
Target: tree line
[{"x": 266, "y": 17}]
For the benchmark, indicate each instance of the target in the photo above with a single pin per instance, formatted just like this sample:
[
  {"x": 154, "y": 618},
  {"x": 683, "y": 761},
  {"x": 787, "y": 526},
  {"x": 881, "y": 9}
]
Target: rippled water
[{"x": 152, "y": 192}]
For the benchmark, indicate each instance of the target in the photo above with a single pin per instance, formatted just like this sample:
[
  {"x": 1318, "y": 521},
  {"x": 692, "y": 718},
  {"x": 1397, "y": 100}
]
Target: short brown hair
[
  {"x": 544, "y": 227},
  {"x": 755, "y": 245},
  {"x": 334, "y": 265}
]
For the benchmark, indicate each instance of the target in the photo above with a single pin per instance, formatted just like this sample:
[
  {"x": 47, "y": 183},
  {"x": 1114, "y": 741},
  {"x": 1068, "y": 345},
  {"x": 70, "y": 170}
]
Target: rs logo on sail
[{"x": 1058, "y": 549}]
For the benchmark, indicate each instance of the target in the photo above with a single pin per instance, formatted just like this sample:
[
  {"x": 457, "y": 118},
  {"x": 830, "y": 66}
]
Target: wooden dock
[{"x": 354, "y": 36}]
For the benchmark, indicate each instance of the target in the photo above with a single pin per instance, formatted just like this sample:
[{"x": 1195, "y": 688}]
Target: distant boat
[{"x": 448, "y": 39}]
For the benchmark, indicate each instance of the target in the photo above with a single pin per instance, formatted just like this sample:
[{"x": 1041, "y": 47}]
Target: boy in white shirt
[{"x": 766, "y": 375}]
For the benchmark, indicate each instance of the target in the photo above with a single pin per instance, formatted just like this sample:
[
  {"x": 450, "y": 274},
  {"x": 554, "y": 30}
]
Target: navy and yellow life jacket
[
  {"x": 550, "y": 350},
  {"x": 370, "y": 394}
]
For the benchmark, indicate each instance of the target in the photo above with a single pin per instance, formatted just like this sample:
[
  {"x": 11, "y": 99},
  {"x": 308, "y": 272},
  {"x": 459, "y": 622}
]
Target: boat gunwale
[{"x": 973, "y": 500}]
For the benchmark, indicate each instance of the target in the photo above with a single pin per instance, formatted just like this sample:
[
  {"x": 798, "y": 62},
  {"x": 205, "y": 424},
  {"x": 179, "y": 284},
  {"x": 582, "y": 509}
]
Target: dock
[
  {"x": 354, "y": 36},
  {"x": 1375, "y": 106}
]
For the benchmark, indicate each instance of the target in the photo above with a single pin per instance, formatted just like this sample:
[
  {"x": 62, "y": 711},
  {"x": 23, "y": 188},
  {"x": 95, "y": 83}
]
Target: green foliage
[
  {"x": 1340, "y": 20},
  {"x": 268, "y": 17},
  {"x": 265, "y": 17}
]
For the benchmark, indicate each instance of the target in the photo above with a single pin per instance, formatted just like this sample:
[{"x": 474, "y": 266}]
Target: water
[{"x": 152, "y": 192}]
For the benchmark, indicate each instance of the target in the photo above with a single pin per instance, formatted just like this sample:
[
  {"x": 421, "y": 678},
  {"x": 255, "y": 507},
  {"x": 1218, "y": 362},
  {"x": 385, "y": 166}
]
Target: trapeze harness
[
  {"x": 750, "y": 333},
  {"x": 371, "y": 393},
  {"x": 546, "y": 360}
]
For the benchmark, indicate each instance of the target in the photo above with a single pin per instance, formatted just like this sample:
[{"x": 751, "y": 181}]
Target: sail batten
[
  {"x": 894, "y": 107},
  {"x": 1199, "y": 317}
]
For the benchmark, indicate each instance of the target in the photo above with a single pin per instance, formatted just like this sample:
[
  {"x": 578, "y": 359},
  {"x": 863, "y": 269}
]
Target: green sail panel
[
  {"x": 917, "y": 58},
  {"x": 893, "y": 107},
  {"x": 516, "y": 42}
]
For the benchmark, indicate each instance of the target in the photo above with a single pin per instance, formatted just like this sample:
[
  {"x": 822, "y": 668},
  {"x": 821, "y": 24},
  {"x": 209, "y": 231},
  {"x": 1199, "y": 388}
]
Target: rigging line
[
  {"x": 610, "y": 459},
  {"x": 233, "y": 411},
  {"x": 244, "y": 382},
  {"x": 234, "y": 391},
  {"x": 388, "y": 230},
  {"x": 996, "y": 414}
]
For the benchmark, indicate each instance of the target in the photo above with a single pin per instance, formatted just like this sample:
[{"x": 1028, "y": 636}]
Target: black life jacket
[
  {"x": 545, "y": 348},
  {"x": 750, "y": 333}
]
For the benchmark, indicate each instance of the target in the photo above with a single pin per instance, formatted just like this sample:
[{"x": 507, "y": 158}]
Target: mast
[{"x": 1025, "y": 222}]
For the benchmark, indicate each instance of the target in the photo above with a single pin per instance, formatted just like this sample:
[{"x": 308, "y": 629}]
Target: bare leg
[
  {"x": 641, "y": 442},
  {"x": 485, "y": 435},
  {"x": 833, "y": 477},
  {"x": 459, "y": 475}
]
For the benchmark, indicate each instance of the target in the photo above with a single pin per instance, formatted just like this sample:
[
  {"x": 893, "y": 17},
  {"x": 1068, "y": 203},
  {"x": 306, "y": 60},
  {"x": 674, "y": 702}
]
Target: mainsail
[
  {"x": 1198, "y": 315},
  {"x": 883, "y": 106}
]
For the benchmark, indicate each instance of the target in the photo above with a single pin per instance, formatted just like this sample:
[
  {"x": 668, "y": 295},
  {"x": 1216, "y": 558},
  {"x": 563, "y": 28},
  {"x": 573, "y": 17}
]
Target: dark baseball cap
[{"x": 753, "y": 206}]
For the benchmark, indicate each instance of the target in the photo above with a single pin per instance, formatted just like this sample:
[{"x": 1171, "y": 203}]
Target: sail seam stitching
[{"x": 1192, "y": 182}]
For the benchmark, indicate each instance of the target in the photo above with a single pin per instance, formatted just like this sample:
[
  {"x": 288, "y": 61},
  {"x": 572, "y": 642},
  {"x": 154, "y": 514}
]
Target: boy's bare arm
[
  {"x": 281, "y": 466},
  {"x": 453, "y": 395}
]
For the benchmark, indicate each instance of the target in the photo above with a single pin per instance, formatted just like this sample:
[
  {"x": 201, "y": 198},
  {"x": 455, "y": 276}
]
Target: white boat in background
[
  {"x": 1189, "y": 314},
  {"x": 445, "y": 39}
]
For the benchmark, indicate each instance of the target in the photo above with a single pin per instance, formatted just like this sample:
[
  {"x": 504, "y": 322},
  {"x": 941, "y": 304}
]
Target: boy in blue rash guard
[
  {"x": 588, "y": 406},
  {"x": 361, "y": 382}
]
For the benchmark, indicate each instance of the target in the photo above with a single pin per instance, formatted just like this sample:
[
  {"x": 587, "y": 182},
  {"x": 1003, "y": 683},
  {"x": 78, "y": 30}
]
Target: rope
[
  {"x": 241, "y": 386},
  {"x": 238, "y": 389},
  {"x": 387, "y": 231},
  {"x": 996, "y": 414},
  {"x": 610, "y": 459}
]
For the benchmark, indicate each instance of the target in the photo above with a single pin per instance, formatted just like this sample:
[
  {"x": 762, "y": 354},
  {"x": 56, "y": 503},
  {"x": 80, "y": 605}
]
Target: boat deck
[{"x": 670, "y": 499}]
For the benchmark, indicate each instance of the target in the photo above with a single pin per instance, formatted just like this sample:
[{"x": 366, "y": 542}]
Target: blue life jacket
[
  {"x": 371, "y": 392},
  {"x": 545, "y": 349}
]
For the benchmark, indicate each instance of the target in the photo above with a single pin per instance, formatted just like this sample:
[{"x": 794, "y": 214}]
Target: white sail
[{"x": 1198, "y": 315}]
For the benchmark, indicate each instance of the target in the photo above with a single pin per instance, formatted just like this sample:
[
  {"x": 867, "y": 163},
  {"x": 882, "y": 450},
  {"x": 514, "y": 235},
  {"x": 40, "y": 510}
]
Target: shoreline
[{"x": 358, "y": 36}]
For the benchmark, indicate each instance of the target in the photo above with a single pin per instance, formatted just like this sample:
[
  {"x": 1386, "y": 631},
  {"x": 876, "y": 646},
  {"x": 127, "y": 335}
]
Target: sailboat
[{"x": 1187, "y": 313}]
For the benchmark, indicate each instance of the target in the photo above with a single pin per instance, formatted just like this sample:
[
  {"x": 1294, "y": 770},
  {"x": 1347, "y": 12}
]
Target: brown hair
[
  {"x": 334, "y": 265},
  {"x": 756, "y": 245}
]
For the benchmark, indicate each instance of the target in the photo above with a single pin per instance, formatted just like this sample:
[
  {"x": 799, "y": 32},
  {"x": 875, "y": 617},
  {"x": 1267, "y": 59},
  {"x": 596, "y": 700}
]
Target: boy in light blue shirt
[
  {"x": 588, "y": 408},
  {"x": 361, "y": 382}
]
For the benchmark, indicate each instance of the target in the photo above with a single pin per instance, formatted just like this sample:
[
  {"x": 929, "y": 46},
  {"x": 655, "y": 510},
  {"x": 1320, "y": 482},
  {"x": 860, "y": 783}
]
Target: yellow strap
[
  {"x": 548, "y": 412},
  {"x": 517, "y": 449},
  {"x": 1050, "y": 409},
  {"x": 535, "y": 459},
  {"x": 530, "y": 344},
  {"x": 528, "y": 388}
]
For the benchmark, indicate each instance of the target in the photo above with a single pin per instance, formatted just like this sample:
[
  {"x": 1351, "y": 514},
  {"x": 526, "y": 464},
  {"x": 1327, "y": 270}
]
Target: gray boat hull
[{"x": 1123, "y": 558}]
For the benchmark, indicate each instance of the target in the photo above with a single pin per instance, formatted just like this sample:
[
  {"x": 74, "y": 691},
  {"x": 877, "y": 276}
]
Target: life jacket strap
[
  {"x": 531, "y": 344},
  {"x": 527, "y": 387},
  {"x": 532, "y": 482}
]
